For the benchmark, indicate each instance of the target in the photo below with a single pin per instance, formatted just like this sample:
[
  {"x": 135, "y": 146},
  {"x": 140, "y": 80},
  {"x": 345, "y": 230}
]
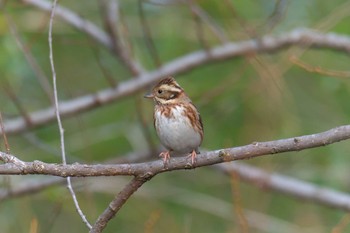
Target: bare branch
[
  {"x": 30, "y": 187},
  {"x": 207, "y": 19},
  {"x": 318, "y": 69},
  {"x": 40, "y": 75},
  {"x": 6, "y": 143},
  {"x": 76, "y": 21},
  {"x": 148, "y": 36},
  {"x": 117, "y": 203},
  {"x": 276, "y": 16},
  {"x": 266, "y": 44},
  {"x": 109, "y": 10},
  {"x": 15, "y": 166},
  {"x": 58, "y": 117},
  {"x": 289, "y": 186},
  {"x": 93, "y": 32}
]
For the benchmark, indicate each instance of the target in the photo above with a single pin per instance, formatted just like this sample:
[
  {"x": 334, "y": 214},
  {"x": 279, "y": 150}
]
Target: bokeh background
[{"x": 255, "y": 97}]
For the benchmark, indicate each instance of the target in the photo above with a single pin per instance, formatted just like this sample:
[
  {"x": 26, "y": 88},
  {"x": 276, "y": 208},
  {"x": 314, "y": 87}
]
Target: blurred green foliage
[{"x": 242, "y": 100}]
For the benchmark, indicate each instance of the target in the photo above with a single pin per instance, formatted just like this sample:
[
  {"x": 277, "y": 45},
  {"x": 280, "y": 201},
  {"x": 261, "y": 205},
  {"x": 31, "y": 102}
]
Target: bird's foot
[
  {"x": 166, "y": 156},
  {"x": 193, "y": 155}
]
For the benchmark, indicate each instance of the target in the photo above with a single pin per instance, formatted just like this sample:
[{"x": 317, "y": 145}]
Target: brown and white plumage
[{"x": 177, "y": 121}]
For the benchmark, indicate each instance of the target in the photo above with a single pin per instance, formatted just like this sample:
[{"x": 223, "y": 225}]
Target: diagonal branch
[
  {"x": 76, "y": 21},
  {"x": 266, "y": 44},
  {"x": 94, "y": 32},
  {"x": 117, "y": 203},
  {"x": 109, "y": 10}
]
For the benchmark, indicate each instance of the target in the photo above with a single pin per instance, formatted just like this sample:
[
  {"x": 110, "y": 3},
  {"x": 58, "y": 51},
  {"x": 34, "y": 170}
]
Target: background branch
[
  {"x": 287, "y": 185},
  {"x": 267, "y": 44}
]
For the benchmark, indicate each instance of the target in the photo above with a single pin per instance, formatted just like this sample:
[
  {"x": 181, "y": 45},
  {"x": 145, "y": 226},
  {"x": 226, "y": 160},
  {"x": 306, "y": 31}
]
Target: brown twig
[
  {"x": 237, "y": 201},
  {"x": 207, "y": 19},
  {"x": 39, "y": 73},
  {"x": 148, "y": 36},
  {"x": 91, "y": 30},
  {"x": 7, "y": 88},
  {"x": 107, "y": 74},
  {"x": 7, "y": 145},
  {"x": 318, "y": 70},
  {"x": 276, "y": 17},
  {"x": 344, "y": 222},
  {"x": 199, "y": 27},
  {"x": 109, "y": 11}
]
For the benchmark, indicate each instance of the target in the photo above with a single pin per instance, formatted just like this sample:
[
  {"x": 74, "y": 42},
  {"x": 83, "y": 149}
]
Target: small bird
[{"x": 177, "y": 121}]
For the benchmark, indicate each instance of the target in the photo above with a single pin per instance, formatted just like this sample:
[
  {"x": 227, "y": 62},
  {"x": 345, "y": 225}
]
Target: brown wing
[{"x": 195, "y": 118}]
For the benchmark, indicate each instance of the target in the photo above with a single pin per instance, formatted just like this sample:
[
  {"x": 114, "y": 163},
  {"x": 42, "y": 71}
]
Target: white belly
[{"x": 176, "y": 132}]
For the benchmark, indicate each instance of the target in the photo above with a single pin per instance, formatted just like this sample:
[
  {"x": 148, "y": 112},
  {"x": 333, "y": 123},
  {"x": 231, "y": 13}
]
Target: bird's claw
[{"x": 166, "y": 156}]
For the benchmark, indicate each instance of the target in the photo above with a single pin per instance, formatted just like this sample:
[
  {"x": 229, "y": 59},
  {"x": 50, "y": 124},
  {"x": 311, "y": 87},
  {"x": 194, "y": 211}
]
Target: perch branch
[
  {"x": 145, "y": 171},
  {"x": 15, "y": 166}
]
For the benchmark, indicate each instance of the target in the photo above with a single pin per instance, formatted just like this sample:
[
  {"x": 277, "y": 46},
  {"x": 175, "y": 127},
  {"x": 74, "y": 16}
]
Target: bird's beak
[{"x": 149, "y": 95}]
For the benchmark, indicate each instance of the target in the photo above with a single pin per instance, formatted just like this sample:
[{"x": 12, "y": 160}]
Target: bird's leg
[
  {"x": 193, "y": 155},
  {"x": 166, "y": 156}
]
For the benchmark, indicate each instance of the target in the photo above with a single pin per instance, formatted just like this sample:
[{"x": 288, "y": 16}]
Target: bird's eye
[{"x": 160, "y": 91}]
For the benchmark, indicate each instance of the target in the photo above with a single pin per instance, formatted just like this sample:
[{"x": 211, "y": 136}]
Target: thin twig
[
  {"x": 344, "y": 222},
  {"x": 206, "y": 18},
  {"x": 94, "y": 32},
  {"x": 61, "y": 130},
  {"x": 267, "y": 44},
  {"x": 40, "y": 75},
  {"x": 275, "y": 18},
  {"x": 109, "y": 10},
  {"x": 237, "y": 202},
  {"x": 316, "y": 69},
  {"x": 7, "y": 145},
  {"x": 7, "y": 88},
  {"x": 107, "y": 74},
  {"x": 148, "y": 36},
  {"x": 200, "y": 32}
]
